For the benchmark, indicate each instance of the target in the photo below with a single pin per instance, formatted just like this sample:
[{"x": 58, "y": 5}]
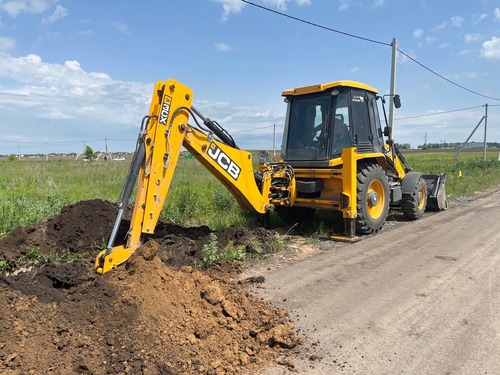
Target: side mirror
[{"x": 397, "y": 101}]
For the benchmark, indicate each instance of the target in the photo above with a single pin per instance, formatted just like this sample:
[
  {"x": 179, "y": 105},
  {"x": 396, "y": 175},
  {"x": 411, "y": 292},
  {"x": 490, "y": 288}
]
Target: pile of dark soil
[{"x": 154, "y": 315}]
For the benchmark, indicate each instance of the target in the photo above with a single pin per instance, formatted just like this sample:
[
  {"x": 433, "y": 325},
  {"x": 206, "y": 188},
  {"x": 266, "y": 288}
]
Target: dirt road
[{"x": 423, "y": 298}]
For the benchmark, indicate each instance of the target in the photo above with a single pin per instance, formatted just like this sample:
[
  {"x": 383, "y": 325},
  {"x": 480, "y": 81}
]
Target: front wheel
[
  {"x": 413, "y": 204},
  {"x": 372, "y": 198}
]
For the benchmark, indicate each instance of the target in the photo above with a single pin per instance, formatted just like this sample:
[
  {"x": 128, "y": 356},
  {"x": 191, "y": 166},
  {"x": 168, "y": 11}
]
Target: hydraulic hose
[
  {"x": 218, "y": 130},
  {"x": 135, "y": 166}
]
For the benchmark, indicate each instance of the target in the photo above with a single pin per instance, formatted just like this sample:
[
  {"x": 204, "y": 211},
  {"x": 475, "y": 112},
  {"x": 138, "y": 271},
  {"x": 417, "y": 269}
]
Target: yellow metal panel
[
  {"x": 163, "y": 141},
  {"x": 400, "y": 169},
  {"x": 349, "y": 171},
  {"x": 232, "y": 167},
  {"x": 163, "y": 148},
  {"x": 325, "y": 86},
  {"x": 317, "y": 203},
  {"x": 119, "y": 255}
]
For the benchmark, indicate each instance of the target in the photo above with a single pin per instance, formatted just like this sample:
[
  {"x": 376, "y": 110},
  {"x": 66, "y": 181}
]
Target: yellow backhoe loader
[{"x": 333, "y": 157}]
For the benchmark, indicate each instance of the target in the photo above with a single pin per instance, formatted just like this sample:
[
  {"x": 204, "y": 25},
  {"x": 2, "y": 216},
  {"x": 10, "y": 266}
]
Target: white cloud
[
  {"x": 470, "y": 38},
  {"x": 7, "y": 44},
  {"x": 418, "y": 33},
  {"x": 236, "y": 6},
  {"x": 87, "y": 32},
  {"x": 223, "y": 47},
  {"x": 240, "y": 120},
  {"x": 68, "y": 91},
  {"x": 73, "y": 65},
  {"x": 16, "y": 7},
  {"x": 477, "y": 19},
  {"x": 346, "y": 4},
  {"x": 121, "y": 27},
  {"x": 404, "y": 59},
  {"x": 230, "y": 7},
  {"x": 59, "y": 13},
  {"x": 491, "y": 49},
  {"x": 278, "y": 4},
  {"x": 355, "y": 69},
  {"x": 441, "y": 26},
  {"x": 496, "y": 13},
  {"x": 282, "y": 4},
  {"x": 457, "y": 21}
]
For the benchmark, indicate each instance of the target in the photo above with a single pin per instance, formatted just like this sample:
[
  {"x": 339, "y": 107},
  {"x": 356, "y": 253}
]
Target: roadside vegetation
[{"x": 33, "y": 189}]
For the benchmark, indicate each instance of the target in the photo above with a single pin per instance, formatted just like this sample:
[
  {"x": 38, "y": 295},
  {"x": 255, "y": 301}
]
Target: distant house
[{"x": 473, "y": 145}]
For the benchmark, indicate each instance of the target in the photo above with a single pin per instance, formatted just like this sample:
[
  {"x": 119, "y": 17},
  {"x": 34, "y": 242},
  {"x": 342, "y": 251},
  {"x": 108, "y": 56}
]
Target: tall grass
[
  {"x": 32, "y": 189},
  {"x": 198, "y": 198},
  {"x": 464, "y": 176}
]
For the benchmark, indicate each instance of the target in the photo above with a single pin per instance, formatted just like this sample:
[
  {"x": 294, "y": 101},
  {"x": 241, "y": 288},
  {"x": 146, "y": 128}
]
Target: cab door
[{"x": 365, "y": 122}]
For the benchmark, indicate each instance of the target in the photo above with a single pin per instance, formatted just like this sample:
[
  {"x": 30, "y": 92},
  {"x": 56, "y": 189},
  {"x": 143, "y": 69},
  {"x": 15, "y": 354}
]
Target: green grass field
[{"x": 32, "y": 189}]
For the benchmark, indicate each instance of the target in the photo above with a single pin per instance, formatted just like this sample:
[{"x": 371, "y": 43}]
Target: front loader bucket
[{"x": 436, "y": 194}]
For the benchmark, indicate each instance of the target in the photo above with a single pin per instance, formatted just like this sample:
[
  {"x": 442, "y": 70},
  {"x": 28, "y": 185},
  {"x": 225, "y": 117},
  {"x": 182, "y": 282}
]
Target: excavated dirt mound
[{"x": 155, "y": 315}]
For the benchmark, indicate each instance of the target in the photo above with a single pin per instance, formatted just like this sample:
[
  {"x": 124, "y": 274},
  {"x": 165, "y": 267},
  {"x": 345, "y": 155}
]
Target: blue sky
[{"x": 81, "y": 72}]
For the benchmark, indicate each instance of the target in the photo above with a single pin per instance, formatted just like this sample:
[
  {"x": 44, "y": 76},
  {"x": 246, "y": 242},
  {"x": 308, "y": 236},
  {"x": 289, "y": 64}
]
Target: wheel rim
[
  {"x": 375, "y": 199},
  {"x": 421, "y": 195}
]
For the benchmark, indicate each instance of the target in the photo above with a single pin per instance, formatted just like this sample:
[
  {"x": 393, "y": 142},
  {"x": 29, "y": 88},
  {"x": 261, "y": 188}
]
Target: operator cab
[{"x": 324, "y": 119}]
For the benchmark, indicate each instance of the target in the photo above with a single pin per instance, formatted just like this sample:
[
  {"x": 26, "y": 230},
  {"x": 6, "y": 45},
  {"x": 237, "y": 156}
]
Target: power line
[
  {"x": 439, "y": 113},
  {"x": 371, "y": 41},
  {"x": 446, "y": 79},
  {"x": 315, "y": 24},
  {"x": 251, "y": 130}
]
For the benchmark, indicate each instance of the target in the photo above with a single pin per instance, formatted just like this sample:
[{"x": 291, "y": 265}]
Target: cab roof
[{"x": 325, "y": 86}]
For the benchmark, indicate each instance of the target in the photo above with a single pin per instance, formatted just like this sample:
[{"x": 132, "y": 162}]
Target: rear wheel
[
  {"x": 372, "y": 198},
  {"x": 413, "y": 204}
]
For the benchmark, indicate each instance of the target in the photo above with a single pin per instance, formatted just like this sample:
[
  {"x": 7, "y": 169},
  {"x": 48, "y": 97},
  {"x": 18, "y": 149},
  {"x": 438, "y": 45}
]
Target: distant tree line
[
  {"x": 403, "y": 146},
  {"x": 453, "y": 145},
  {"x": 447, "y": 145}
]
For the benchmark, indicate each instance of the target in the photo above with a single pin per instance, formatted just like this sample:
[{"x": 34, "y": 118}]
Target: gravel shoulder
[{"x": 420, "y": 297}]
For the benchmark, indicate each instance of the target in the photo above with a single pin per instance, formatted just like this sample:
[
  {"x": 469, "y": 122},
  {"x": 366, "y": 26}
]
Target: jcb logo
[
  {"x": 165, "y": 110},
  {"x": 224, "y": 161}
]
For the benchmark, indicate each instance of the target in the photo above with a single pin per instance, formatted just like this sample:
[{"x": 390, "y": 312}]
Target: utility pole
[
  {"x": 467, "y": 140},
  {"x": 393, "y": 86},
  {"x": 106, "y": 155},
  {"x": 485, "y": 128}
]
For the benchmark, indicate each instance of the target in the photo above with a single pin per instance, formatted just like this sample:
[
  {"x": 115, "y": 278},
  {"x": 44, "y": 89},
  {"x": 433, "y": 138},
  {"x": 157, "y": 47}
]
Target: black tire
[
  {"x": 413, "y": 204},
  {"x": 372, "y": 198},
  {"x": 292, "y": 215}
]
